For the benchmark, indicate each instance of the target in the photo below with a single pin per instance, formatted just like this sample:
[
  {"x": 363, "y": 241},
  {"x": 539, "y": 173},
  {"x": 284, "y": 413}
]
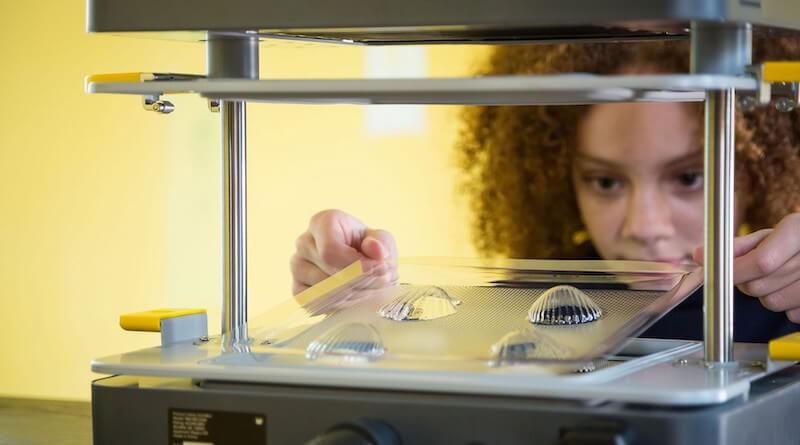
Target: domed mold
[
  {"x": 357, "y": 342},
  {"x": 526, "y": 345},
  {"x": 420, "y": 303},
  {"x": 564, "y": 305}
]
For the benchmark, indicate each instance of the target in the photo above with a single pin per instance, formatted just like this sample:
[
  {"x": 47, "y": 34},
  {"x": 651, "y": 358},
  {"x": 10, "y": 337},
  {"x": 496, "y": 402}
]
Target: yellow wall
[{"x": 105, "y": 208}]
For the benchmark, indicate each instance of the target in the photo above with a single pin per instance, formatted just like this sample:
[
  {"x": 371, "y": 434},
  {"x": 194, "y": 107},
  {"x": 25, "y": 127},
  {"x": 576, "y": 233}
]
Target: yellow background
[{"x": 106, "y": 208}]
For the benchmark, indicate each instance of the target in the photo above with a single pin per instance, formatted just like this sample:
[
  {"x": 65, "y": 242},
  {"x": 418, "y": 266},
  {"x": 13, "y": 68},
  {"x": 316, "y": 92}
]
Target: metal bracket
[
  {"x": 784, "y": 95},
  {"x": 187, "y": 327},
  {"x": 154, "y": 103}
]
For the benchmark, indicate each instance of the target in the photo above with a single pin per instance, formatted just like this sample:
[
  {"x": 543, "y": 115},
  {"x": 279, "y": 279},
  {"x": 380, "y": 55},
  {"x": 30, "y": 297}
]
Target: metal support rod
[
  {"x": 234, "y": 177},
  {"x": 719, "y": 48},
  {"x": 234, "y": 58},
  {"x": 719, "y": 232}
]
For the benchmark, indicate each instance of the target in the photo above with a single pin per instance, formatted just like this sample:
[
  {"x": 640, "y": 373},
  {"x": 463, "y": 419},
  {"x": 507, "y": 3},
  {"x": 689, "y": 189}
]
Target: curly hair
[{"x": 515, "y": 161}]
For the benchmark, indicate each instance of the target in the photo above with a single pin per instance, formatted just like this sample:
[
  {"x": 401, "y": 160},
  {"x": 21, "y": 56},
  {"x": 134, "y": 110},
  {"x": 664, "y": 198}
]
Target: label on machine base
[{"x": 193, "y": 427}]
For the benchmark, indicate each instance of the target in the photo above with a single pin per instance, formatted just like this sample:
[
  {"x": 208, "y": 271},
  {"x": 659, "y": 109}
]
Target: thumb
[
  {"x": 378, "y": 245},
  {"x": 741, "y": 244}
]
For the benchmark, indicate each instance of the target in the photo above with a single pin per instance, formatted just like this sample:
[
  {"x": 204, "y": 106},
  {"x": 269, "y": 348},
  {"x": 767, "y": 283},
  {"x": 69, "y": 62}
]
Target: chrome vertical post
[
  {"x": 233, "y": 57},
  {"x": 719, "y": 231},
  {"x": 719, "y": 48}
]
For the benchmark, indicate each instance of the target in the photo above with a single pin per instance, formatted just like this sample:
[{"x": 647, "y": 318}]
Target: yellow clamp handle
[
  {"x": 150, "y": 321},
  {"x": 785, "y": 348},
  {"x": 119, "y": 77},
  {"x": 780, "y": 72},
  {"x": 139, "y": 77}
]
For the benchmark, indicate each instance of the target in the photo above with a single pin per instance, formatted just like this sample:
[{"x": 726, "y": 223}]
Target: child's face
[{"x": 638, "y": 176}]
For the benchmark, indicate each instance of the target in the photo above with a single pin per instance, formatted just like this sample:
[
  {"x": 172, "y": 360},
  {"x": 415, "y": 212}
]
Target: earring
[
  {"x": 580, "y": 237},
  {"x": 744, "y": 229}
]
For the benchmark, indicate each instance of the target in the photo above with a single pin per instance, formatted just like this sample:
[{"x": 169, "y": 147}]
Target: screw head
[
  {"x": 680, "y": 362},
  {"x": 784, "y": 104},
  {"x": 163, "y": 107},
  {"x": 747, "y": 103}
]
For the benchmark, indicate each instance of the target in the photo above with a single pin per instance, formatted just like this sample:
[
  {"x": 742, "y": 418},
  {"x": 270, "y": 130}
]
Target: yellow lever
[
  {"x": 119, "y": 77},
  {"x": 785, "y": 348},
  {"x": 780, "y": 72},
  {"x": 138, "y": 77},
  {"x": 150, "y": 321}
]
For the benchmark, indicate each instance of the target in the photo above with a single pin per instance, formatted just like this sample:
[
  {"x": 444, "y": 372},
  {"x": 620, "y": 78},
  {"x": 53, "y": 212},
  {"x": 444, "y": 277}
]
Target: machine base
[{"x": 136, "y": 410}]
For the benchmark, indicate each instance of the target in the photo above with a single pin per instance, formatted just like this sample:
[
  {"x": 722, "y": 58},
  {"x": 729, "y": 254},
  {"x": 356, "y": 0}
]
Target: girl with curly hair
[{"x": 621, "y": 181}]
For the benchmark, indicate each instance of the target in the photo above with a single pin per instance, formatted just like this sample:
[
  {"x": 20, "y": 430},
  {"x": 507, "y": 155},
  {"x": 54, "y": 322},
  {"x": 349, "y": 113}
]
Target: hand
[
  {"x": 333, "y": 241},
  {"x": 767, "y": 266}
]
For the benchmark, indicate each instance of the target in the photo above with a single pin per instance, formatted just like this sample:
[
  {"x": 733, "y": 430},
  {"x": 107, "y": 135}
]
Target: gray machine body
[
  {"x": 425, "y": 21},
  {"x": 126, "y": 412}
]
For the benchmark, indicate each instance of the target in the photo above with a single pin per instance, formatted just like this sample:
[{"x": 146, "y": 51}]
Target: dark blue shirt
[{"x": 752, "y": 322}]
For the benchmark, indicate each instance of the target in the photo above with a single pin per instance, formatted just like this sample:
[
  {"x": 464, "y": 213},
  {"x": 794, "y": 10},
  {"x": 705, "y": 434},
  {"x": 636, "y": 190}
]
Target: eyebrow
[{"x": 689, "y": 157}]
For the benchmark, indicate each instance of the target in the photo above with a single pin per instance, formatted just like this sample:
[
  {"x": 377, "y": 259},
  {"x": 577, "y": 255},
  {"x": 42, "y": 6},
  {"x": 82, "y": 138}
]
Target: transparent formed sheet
[{"x": 470, "y": 314}]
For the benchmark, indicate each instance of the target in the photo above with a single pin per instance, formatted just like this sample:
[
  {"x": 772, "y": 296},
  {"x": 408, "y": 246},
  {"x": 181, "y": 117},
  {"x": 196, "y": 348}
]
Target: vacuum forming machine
[{"x": 461, "y": 351}]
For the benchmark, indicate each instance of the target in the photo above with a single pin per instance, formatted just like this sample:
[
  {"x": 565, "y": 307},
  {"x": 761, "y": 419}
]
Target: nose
[{"x": 648, "y": 217}]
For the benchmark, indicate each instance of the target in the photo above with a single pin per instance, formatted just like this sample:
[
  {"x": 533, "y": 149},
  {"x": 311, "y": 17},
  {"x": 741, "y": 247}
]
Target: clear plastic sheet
[{"x": 450, "y": 313}]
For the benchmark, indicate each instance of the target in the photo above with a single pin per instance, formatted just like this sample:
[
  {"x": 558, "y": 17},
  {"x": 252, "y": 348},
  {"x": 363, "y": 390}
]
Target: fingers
[
  {"x": 334, "y": 257},
  {"x": 744, "y": 244},
  {"x": 379, "y": 245},
  {"x": 336, "y": 227},
  {"x": 305, "y": 272},
  {"x": 297, "y": 288},
  {"x": 336, "y": 236},
  {"x": 776, "y": 249},
  {"x": 333, "y": 241},
  {"x": 767, "y": 266},
  {"x": 787, "y": 274},
  {"x": 770, "y": 270},
  {"x": 379, "y": 281},
  {"x": 793, "y": 315},
  {"x": 306, "y": 247},
  {"x": 783, "y": 299},
  {"x": 741, "y": 244}
]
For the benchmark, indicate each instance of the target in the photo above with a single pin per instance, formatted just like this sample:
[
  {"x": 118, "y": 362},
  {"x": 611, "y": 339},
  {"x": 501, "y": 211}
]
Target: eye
[
  {"x": 604, "y": 184},
  {"x": 690, "y": 180}
]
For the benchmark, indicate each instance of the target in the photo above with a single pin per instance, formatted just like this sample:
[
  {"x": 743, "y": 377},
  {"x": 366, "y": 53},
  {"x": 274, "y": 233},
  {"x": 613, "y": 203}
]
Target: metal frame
[
  {"x": 716, "y": 49},
  {"x": 719, "y": 48},
  {"x": 234, "y": 58},
  {"x": 721, "y": 53}
]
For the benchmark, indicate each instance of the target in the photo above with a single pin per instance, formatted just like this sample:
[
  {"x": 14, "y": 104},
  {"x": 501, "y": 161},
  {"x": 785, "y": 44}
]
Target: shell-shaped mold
[
  {"x": 588, "y": 367},
  {"x": 594, "y": 365},
  {"x": 358, "y": 342},
  {"x": 420, "y": 303},
  {"x": 526, "y": 345},
  {"x": 561, "y": 305}
]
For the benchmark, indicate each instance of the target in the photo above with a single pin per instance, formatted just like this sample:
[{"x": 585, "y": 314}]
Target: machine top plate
[{"x": 437, "y": 21}]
